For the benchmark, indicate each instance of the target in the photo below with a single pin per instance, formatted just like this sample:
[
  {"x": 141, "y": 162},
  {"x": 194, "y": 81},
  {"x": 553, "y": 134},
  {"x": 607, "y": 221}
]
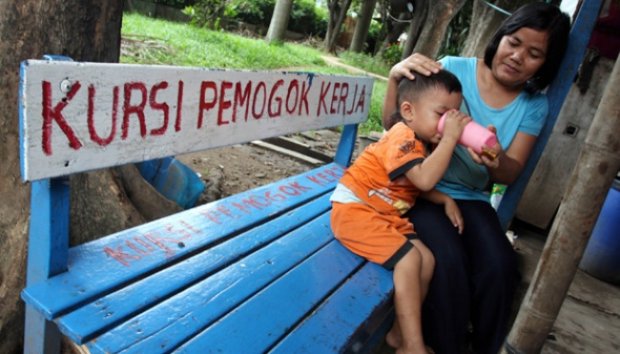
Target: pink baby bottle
[{"x": 475, "y": 136}]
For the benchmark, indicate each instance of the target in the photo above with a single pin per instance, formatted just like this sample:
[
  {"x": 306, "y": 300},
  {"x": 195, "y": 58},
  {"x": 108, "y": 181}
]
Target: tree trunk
[
  {"x": 439, "y": 16},
  {"x": 85, "y": 30},
  {"x": 279, "y": 20},
  {"x": 124, "y": 199},
  {"x": 419, "y": 18},
  {"x": 397, "y": 28},
  {"x": 362, "y": 26},
  {"x": 383, "y": 9},
  {"x": 337, "y": 12},
  {"x": 484, "y": 22},
  {"x": 404, "y": 20}
]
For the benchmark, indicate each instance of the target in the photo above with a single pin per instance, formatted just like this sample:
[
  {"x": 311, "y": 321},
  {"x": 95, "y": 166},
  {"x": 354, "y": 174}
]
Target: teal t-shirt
[{"x": 464, "y": 178}]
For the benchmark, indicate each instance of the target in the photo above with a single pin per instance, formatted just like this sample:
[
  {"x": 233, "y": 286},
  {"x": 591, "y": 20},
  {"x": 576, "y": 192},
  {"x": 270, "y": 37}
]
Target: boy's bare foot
[
  {"x": 394, "y": 338},
  {"x": 418, "y": 350},
  {"x": 411, "y": 348}
]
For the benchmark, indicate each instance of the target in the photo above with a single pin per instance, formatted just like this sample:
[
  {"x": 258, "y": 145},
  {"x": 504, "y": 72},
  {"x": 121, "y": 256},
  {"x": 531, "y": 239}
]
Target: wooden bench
[{"x": 255, "y": 272}]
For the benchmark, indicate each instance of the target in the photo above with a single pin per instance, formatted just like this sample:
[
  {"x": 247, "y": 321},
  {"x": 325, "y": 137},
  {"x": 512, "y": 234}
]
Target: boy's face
[{"x": 422, "y": 115}]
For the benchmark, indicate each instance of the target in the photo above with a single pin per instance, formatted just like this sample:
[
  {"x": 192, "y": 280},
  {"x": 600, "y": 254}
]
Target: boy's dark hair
[
  {"x": 411, "y": 90},
  {"x": 541, "y": 17}
]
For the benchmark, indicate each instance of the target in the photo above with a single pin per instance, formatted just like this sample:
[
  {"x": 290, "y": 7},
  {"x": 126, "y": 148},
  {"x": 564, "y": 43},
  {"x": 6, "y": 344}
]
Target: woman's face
[{"x": 519, "y": 56}]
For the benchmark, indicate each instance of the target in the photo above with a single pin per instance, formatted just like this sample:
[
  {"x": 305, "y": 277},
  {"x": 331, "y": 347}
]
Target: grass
[
  {"x": 152, "y": 41},
  {"x": 366, "y": 62},
  {"x": 373, "y": 124},
  {"x": 191, "y": 46}
]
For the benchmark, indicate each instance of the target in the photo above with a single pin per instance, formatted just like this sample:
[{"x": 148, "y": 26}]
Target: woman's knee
[
  {"x": 501, "y": 269},
  {"x": 502, "y": 257},
  {"x": 451, "y": 258}
]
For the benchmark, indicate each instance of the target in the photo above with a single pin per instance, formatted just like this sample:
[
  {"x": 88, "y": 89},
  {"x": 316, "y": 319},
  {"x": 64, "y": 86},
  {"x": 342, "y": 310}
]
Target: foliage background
[{"x": 153, "y": 41}]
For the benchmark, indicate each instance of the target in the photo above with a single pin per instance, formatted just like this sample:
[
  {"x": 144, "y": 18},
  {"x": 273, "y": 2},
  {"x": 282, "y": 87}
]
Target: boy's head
[{"x": 423, "y": 100}]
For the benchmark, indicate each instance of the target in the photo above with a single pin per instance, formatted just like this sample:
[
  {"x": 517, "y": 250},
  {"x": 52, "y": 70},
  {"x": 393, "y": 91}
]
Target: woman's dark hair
[
  {"x": 411, "y": 90},
  {"x": 541, "y": 17}
]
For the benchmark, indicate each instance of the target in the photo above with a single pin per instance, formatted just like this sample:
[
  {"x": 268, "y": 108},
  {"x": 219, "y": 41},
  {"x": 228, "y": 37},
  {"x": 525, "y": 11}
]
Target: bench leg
[{"x": 41, "y": 336}]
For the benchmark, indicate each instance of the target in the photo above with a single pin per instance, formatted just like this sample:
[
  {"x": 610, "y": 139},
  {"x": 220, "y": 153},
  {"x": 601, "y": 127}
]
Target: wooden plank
[
  {"x": 49, "y": 229},
  {"x": 590, "y": 313},
  {"x": 47, "y": 255},
  {"x": 291, "y": 297},
  {"x": 347, "y": 318},
  {"x": 305, "y": 149},
  {"x": 40, "y": 335},
  {"x": 87, "y": 322},
  {"x": 580, "y": 328},
  {"x": 599, "y": 294},
  {"x": 99, "y": 266},
  {"x": 550, "y": 178},
  {"x": 287, "y": 152},
  {"x": 83, "y": 116},
  {"x": 346, "y": 146},
  {"x": 179, "y": 318}
]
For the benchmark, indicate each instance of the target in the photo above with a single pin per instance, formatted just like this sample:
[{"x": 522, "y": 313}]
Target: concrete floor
[{"x": 589, "y": 321}]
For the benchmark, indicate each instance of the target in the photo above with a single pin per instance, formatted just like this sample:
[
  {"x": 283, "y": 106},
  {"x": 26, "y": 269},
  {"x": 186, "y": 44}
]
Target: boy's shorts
[{"x": 382, "y": 239}]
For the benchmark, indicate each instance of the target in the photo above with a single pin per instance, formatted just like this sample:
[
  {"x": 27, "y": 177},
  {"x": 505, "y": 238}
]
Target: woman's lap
[
  {"x": 475, "y": 272},
  {"x": 446, "y": 307},
  {"x": 493, "y": 275}
]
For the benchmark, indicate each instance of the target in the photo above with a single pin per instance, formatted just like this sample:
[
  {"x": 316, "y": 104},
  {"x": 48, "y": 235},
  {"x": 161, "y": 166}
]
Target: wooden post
[{"x": 598, "y": 164}]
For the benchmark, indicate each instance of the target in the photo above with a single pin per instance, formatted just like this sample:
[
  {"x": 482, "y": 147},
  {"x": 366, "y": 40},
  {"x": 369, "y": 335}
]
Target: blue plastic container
[
  {"x": 601, "y": 258},
  {"x": 173, "y": 180}
]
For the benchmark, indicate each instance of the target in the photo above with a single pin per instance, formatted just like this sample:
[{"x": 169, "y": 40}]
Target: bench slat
[
  {"x": 100, "y": 266},
  {"x": 172, "y": 322},
  {"x": 344, "y": 317},
  {"x": 279, "y": 307},
  {"x": 83, "y": 324}
]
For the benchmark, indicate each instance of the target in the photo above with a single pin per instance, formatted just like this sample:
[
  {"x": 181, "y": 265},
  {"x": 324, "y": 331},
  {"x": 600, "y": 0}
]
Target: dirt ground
[{"x": 233, "y": 169}]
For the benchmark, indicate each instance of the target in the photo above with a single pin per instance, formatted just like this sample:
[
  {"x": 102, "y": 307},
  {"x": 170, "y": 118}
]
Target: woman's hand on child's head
[
  {"x": 415, "y": 63},
  {"x": 454, "y": 124},
  {"x": 454, "y": 214}
]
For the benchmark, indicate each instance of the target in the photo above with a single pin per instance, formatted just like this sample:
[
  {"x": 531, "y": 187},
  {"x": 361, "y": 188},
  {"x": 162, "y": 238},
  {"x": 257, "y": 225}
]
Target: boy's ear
[{"x": 406, "y": 110}]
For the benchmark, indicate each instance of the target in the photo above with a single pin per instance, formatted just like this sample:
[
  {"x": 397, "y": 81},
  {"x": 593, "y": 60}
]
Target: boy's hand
[
  {"x": 454, "y": 214},
  {"x": 455, "y": 122}
]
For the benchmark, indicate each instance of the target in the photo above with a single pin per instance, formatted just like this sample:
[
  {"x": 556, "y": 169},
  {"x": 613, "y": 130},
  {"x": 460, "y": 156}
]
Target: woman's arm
[
  {"x": 390, "y": 102},
  {"x": 414, "y": 63},
  {"x": 511, "y": 162}
]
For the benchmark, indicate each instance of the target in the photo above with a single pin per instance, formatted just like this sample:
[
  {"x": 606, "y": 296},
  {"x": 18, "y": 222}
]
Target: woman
[{"x": 476, "y": 272}]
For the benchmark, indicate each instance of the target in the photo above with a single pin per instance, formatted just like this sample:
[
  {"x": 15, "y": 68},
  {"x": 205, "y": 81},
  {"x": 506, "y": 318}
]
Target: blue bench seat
[{"x": 272, "y": 280}]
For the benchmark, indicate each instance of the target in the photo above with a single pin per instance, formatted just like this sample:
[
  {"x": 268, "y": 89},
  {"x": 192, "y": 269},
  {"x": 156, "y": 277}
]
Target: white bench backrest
[{"x": 77, "y": 116}]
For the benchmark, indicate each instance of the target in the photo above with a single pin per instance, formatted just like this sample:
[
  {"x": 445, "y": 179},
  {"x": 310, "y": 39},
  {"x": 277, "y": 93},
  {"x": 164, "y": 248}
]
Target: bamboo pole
[{"x": 598, "y": 164}]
